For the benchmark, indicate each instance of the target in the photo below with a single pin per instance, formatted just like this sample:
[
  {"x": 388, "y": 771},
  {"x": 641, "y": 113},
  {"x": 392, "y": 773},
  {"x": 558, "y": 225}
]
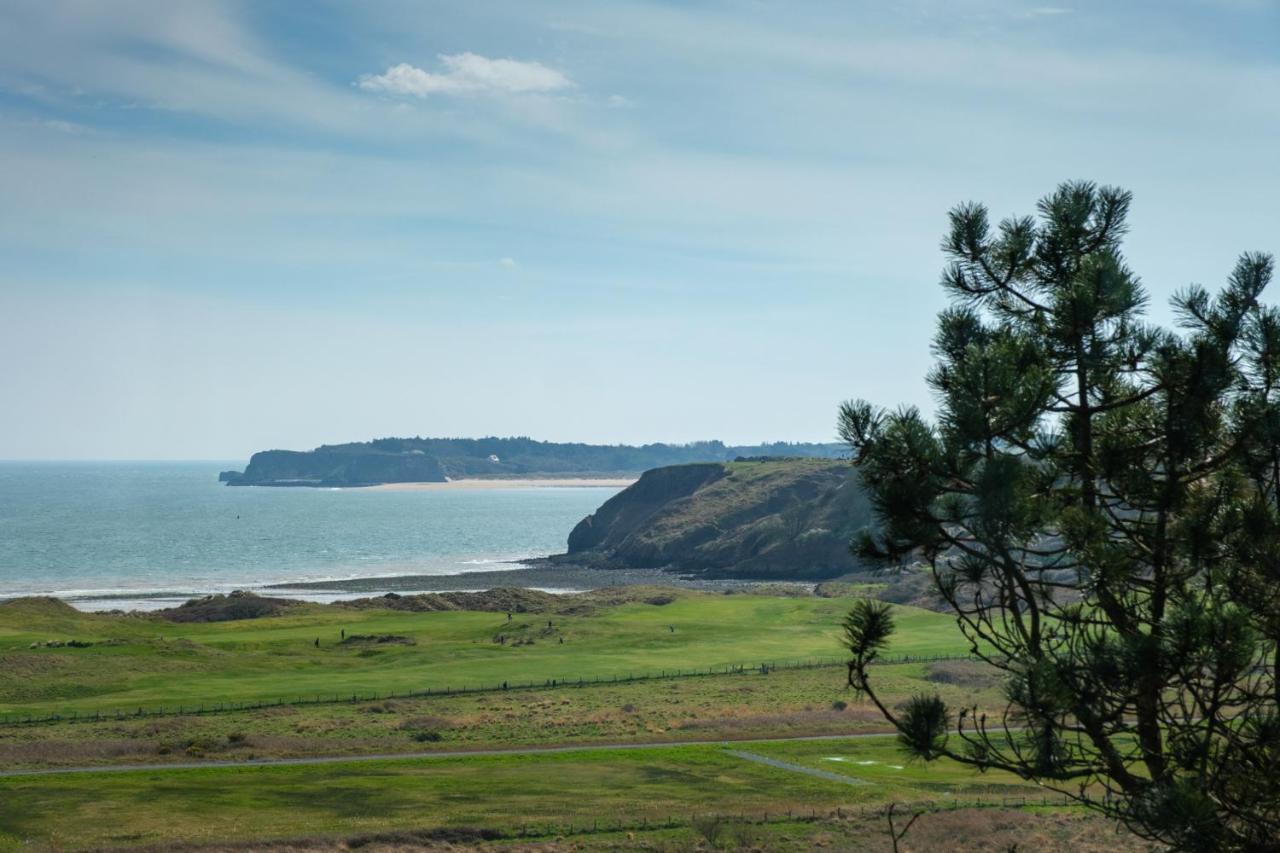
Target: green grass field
[
  {"x": 146, "y": 662},
  {"x": 782, "y": 703},
  {"x": 227, "y": 804},
  {"x": 881, "y": 763},
  {"x": 140, "y": 661}
]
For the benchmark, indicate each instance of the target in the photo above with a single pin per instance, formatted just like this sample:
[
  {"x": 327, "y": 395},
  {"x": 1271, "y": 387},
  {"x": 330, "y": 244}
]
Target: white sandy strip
[{"x": 463, "y": 485}]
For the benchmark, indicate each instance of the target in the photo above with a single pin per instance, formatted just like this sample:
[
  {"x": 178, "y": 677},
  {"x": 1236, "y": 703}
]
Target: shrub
[
  {"x": 710, "y": 827},
  {"x": 426, "y": 723}
]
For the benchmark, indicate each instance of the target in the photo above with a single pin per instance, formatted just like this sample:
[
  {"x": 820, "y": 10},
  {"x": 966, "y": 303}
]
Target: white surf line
[{"x": 797, "y": 768}]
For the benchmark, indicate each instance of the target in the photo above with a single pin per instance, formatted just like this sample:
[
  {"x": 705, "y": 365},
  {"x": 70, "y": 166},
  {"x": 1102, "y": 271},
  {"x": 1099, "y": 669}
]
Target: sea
[{"x": 145, "y": 535}]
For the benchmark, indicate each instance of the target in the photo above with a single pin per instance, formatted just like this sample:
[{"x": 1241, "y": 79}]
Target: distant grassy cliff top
[{"x": 403, "y": 460}]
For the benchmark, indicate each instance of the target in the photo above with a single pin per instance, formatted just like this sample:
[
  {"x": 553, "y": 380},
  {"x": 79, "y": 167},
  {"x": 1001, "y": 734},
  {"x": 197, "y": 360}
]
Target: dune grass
[{"x": 147, "y": 662}]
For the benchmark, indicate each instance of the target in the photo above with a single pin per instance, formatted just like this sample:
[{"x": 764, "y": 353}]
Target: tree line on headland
[{"x": 398, "y": 460}]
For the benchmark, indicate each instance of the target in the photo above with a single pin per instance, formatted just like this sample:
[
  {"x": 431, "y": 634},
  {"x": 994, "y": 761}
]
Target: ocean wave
[{"x": 195, "y": 588}]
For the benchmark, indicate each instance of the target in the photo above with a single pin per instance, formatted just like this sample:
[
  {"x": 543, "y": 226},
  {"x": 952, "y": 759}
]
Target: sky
[{"x": 231, "y": 226}]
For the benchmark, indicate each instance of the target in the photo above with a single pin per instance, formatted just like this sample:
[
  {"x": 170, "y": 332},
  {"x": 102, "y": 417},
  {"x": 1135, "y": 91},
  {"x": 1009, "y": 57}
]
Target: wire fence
[{"x": 205, "y": 708}]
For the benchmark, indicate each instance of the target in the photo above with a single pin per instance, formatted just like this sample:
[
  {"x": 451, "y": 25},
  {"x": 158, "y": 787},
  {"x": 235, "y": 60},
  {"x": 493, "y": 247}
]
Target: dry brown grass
[
  {"x": 960, "y": 831},
  {"x": 66, "y": 752},
  {"x": 427, "y": 722},
  {"x": 971, "y": 674},
  {"x": 999, "y": 829}
]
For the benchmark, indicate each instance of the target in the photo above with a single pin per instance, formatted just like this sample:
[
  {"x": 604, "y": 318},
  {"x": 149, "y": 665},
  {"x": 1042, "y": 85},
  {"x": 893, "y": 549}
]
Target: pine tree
[{"x": 1099, "y": 503}]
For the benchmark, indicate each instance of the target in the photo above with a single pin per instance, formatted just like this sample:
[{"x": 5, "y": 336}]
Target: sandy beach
[{"x": 462, "y": 485}]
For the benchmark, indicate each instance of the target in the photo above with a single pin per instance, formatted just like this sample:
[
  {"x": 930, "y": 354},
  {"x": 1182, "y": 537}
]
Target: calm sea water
[{"x": 127, "y": 534}]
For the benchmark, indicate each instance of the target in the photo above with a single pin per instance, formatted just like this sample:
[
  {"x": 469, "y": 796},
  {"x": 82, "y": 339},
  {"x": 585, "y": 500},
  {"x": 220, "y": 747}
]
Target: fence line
[{"x": 764, "y": 668}]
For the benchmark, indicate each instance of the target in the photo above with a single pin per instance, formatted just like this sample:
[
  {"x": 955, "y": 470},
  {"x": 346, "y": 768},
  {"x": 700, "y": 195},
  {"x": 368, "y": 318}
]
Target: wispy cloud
[
  {"x": 68, "y": 127},
  {"x": 203, "y": 59},
  {"x": 467, "y": 74}
]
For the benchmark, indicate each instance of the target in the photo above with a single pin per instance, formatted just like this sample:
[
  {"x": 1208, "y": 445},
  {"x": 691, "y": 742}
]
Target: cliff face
[
  {"x": 776, "y": 519},
  {"x": 631, "y": 509},
  {"x": 319, "y": 468},
  {"x": 390, "y": 460}
]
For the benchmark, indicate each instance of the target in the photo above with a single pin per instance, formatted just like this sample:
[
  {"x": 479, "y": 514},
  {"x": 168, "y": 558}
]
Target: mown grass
[
  {"x": 147, "y": 662},
  {"x": 143, "y": 661},
  {"x": 782, "y": 703},
  {"x": 504, "y": 792}
]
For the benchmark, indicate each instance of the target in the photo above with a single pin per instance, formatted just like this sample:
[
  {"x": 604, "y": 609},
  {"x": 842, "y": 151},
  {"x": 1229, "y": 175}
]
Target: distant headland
[{"x": 439, "y": 460}]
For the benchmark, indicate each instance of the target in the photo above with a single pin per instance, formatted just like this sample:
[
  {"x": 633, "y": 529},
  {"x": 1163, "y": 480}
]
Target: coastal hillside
[
  {"x": 761, "y": 519},
  {"x": 407, "y": 460},
  {"x": 322, "y": 467}
]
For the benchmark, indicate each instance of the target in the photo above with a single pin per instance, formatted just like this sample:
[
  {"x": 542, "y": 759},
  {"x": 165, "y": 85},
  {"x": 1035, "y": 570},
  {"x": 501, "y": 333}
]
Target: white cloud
[
  {"x": 68, "y": 127},
  {"x": 1049, "y": 11},
  {"x": 509, "y": 263},
  {"x": 467, "y": 74}
]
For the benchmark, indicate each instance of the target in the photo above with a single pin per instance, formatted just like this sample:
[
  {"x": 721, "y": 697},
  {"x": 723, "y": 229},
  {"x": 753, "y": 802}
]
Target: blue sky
[{"x": 231, "y": 226}]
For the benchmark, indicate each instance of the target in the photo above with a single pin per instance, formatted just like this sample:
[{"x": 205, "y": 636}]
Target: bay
[{"x": 146, "y": 534}]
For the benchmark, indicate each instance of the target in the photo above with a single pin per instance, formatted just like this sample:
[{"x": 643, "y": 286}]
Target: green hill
[{"x": 763, "y": 519}]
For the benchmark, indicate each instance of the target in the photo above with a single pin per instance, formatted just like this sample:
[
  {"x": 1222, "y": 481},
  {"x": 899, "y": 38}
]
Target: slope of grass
[{"x": 147, "y": 662}]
